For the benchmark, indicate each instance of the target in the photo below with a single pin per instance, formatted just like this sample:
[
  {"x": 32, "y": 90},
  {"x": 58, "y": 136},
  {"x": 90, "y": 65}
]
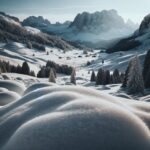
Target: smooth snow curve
[
  {"x": 74, "y": 118},
  {"x": 13, "y": 86}
]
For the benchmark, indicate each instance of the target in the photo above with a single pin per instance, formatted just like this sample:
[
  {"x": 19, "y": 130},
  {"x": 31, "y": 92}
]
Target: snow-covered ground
[
  {"x": 17, "y": 53},
  {"x": 36, "y": 114},
  {"x": 71, "y": 117}
]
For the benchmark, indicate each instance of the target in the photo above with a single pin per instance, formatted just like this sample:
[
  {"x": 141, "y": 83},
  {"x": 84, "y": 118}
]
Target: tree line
[
  {"x": 62, "y": 69},
  {"x": 135, "y": 79},
  {"x": 24, "y": 69},
  {"x": 104, "y": 77}
]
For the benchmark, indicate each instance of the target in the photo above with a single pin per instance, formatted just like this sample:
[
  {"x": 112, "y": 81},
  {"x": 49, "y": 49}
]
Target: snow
[
  {"x": 8, "y": 97},
  {"x": 32, "y": 30},
  {"x": 36, "y": 86},
  {"x": 74, "y": 117},
  {"x": 12, "y": 86}
]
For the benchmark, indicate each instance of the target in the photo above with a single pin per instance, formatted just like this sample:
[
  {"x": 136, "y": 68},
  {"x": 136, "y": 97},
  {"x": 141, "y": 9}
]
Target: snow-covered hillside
[
  {"x": 69, "y": 117},
  {"x": 11, "y": 29},
  {"x": 17, "y": 53},
  {"x": 139, "y": 40}
]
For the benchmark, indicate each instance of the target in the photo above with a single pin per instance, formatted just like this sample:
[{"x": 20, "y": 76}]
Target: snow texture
[
  {"x": 12, "y": 86},
  {"x": 74, "y": 118}
]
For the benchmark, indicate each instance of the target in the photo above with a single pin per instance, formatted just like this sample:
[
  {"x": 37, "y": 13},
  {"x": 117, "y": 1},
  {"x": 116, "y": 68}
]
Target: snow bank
[
  {"x": 37, "y": 86},
  {"x": 13, "y": 86},
  {"x": 74, "y": 118},
  {"x": 8, "y": 97}
]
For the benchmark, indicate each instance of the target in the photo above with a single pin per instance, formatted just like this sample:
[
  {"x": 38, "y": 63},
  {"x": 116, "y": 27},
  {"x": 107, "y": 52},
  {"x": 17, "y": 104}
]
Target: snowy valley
[{"x": 59, "y": 93}]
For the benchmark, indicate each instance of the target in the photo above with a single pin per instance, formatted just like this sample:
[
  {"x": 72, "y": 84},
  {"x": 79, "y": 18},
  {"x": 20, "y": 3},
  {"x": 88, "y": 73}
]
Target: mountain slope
[
  {"x": 12, "y": 30},
  {"x": 139, "y": 40}
]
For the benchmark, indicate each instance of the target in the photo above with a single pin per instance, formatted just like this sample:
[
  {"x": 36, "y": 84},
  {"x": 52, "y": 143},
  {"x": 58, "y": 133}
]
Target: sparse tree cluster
[
  {"x": 62, "y": 69},
  {"x": 104, "y": 77},
  {"x": 24, "y": 69}
]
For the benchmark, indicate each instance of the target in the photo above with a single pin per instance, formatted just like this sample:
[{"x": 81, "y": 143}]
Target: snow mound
[
  {"x": 13, "y": 86},
  {"x": 8, "y": 97},
  {"x": 37, "y": 86},
  {"x": 74, "y": 118},
  {"x": 3, "y": 90}
]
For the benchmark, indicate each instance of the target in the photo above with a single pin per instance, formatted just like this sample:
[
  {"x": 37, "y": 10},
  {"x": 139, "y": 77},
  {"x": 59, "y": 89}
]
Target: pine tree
[
  {"x": 146, "y": 70},
  {"x": 108, "y": 77},
  {"x": 122, "y": 76},
  {"x": 124, "y": 84},
  {"x": 73, "y": 77},
  {"x": 146, "y": 65},
  {"x": 52, "y": 76},
  {"x": 93, "y": 77},
  {"x": 19, "y": 69},
  {"x": 8, "y": 67},
  {"x": 100, "y": 79},
  {"x": 25, "y": 68},
  {"x": 135, "y": 83},
  {"x": 116, "y": 76},
  {"x": 32, "y": 73}
]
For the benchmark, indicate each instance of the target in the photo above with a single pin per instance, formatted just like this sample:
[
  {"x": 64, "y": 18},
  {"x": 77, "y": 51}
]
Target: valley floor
[{"x": 37, "y": 114}]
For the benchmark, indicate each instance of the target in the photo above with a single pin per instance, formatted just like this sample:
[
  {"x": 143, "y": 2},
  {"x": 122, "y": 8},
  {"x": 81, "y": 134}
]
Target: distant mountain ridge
[
  {"x": 139, "y": 40},
  {"x": 99, "y": 21},
  {"x": 88, "y": 28}
]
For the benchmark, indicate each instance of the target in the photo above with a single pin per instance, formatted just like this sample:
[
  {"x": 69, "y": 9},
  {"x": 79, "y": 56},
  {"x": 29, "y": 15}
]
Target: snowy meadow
[{"x": 78, "y": 85}]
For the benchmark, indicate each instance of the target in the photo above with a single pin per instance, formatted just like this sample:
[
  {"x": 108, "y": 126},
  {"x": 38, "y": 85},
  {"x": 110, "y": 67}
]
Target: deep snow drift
[{"x": 73, "y": 118}]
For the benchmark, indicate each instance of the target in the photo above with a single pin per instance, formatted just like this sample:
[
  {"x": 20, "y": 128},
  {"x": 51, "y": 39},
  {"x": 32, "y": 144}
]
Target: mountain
[
  {"x": 36, "y": 21},
  {"x": 92, "y": 28},
  {"x": 98, "y": 22},
  {"x": 12, "y": 30},
  {"x": 104, "y": 25},
  {"x": 139, "y": 40}
]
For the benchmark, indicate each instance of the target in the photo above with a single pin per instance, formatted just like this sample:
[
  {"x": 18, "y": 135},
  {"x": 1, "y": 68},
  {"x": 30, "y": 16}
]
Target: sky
[{"x": 62, "y": 10}]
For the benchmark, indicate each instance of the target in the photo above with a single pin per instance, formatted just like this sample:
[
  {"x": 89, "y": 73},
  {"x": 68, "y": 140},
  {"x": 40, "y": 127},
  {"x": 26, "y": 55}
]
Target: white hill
[{"x": 72, "y": 117}]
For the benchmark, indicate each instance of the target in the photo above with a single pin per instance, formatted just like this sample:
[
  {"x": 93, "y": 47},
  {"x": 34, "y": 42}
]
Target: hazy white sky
[{"x": 61, "y": 10}]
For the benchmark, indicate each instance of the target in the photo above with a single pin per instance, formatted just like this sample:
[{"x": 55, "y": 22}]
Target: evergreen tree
[
  {"x": 52, "y": 76},
  {"x": 147, "y": 80},
  {"x": 32, "y": 73},
  {"x": 135, "y": 83},
  {"x": 122, "y": 76},
  {"x": 146, "y": 65},
  {"x": 25, "y": 68},
  {"x": 116, "y": 76},
  {"x": 73, "y": 77},
  {"x": 100, "y": 79},
  {"x": 111, "y": 79},
  {"x": 93, "y": 77},
  {"x": 124, "y": 84},
  {"x": 108, "y": 77},
  {"x": 146, "y": 70},
  {"x": 19, "y": 69},
  {"x": 8, "y": 68}
]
